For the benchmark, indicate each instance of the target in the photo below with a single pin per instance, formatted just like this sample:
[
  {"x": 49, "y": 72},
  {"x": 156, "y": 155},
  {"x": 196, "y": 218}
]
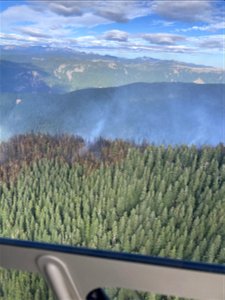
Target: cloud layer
[
  {"x": 163, "y": 38},
  {"x": 116, "y": 35},
  {"x": 139, "y": 27},
  {"x": 116, "y": 11},
  {"x": 185, "y": 11}
]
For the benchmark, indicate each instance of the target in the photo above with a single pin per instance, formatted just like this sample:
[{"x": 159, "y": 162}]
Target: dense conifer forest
[{"x": 155, "y": 200}]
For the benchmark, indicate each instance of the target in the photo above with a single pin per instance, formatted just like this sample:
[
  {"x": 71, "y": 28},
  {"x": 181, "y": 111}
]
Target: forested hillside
[
  {"x": 155, "y": 200},
  {"x": 162, "y": 113}
]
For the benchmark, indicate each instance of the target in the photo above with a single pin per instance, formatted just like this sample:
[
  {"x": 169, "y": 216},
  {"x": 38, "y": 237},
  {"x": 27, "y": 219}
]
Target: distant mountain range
[
  {"x": 52, "y": 70},
  {"x": 20, "y": 77},
  {"x": 162, "y": 113}
]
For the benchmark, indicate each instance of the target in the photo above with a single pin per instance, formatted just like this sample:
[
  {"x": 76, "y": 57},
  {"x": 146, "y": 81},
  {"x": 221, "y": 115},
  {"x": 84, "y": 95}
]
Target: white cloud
[
  {"x": 213, "y": 27},
  {"x": 116, "y": 35},
  {"x": 163, "y": 38},
  {"x": 209, "y": 43},
  {"x": 13, "y": 17},
  {"x": 61, "y": 8},
  {"x": 12, "y": 37},
  {"x": 212, "y": 44},
  {"x": 18, "y": 18},
  {"x": 185, "y": 11},
  {"x": 116, "y": 11},
  {"x": 110, "y": 41},
  {"x": 33, "y": 32}
]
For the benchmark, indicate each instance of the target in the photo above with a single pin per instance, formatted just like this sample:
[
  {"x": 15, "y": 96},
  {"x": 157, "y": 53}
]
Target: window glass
[
  {"x": 112, "y": 126},
  {"x": 23, "y": 285},
  {"x": 119, "y": 294}
]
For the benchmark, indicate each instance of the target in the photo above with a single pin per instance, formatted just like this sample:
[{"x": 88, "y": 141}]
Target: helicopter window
[{"x": 112, "y": 128}]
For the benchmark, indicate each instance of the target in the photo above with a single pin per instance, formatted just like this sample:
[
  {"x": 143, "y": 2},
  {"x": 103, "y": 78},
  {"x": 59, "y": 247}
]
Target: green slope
[{"x": 111, "y": 195}]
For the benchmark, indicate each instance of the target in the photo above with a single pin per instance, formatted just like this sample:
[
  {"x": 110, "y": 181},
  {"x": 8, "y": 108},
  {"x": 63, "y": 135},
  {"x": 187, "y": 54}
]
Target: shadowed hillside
[{"x": 162, "y": 113}]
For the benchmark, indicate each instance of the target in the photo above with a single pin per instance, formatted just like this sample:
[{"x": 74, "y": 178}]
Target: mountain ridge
[
  {"x": 63, "y": 71},
  {"x": 162, "y": 113}
]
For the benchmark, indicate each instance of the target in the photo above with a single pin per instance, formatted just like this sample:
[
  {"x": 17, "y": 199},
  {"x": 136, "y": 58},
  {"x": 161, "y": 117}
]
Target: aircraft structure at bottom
[{"x": 75, "y": 273}]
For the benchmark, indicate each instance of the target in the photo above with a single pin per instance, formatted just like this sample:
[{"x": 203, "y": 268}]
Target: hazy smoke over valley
[{"x": 161, "y": 113}]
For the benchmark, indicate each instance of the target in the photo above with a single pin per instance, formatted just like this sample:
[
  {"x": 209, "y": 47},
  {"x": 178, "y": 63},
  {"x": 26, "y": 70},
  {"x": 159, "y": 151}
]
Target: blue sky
[{"x": 189, "y": 31}]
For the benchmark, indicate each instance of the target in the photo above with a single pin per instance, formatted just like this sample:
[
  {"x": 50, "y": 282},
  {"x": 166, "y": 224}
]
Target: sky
[{"x": 189, "y": 31}]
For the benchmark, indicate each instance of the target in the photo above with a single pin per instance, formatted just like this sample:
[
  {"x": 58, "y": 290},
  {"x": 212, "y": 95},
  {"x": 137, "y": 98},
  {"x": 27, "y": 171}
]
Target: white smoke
[{"x": 97, "y": 131}]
